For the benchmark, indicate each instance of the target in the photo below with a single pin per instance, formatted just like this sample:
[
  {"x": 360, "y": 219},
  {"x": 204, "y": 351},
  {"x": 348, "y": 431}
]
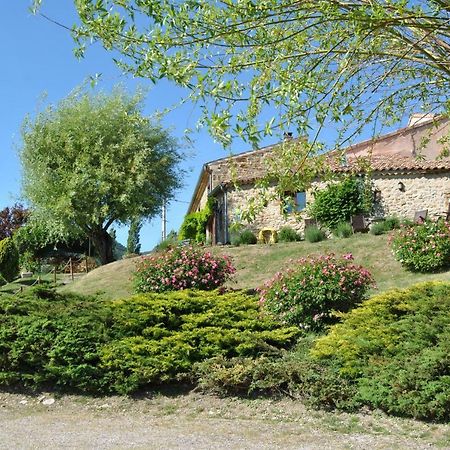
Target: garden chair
[
  {"x": 420, "y": 216},
  {"x": 267, "y": 236},
  {"x": 359, "y": 223}
]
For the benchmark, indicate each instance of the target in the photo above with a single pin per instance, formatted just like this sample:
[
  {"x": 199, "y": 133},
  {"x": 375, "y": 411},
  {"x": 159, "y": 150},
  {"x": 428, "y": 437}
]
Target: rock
[
  {"x": 23, "y": 402},
  {"x": 48, "y": 401}
]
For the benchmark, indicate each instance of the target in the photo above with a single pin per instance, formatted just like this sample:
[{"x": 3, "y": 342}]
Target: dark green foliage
[
  {"x": 293, "y": 372},
  {"x": 133, "y": 244},
  {"x": 288, "y": 234},
  {"x": 194, "y": 224},
  {"x": 9, "y": 259},
  {"x": 48, "y": 338},
  {"x": 395, "y": 350},
  {"x": 392, "y": 223},
  {"x": 314, "y": 234},
  {"x": 378, "y": 228},
  {"x": 388, "y": 224},
  {"x": 423, "y": 247},
  {"x": 343, "y": 230},
  {"x": 247, "y": 237},
  {"x": 89, "y": 345},
  {"x": 338, "y": 202}
]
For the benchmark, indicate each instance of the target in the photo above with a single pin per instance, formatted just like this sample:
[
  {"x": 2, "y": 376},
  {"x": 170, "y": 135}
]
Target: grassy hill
[{"x": 257, "y": 263}]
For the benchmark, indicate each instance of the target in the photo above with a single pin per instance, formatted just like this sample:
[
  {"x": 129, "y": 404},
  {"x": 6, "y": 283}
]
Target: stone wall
[
  {"x": 269, "y": 217},
  {"x": 421, "y": 191}
]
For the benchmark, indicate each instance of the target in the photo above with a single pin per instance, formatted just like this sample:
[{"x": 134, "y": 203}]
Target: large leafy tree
[
  {"x": 291, "y": 63},
  {"x": 95, "y": 160}
]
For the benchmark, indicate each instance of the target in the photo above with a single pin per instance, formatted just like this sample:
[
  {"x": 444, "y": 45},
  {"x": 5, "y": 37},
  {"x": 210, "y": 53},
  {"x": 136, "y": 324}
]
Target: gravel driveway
[{"x": 195, "y": 421}]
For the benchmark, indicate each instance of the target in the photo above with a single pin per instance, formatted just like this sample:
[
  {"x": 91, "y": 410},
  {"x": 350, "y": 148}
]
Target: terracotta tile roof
[{"x": 391, "y": 163}]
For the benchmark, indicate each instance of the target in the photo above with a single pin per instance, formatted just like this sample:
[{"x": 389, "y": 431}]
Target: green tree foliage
[
  {"x": 337, "y": 202},
  {"x": 313, "y": 61},
  {"x": 95, "y": 160},
  {"x": 133, "y": 243},
  {"x": 9, "y": 259}
]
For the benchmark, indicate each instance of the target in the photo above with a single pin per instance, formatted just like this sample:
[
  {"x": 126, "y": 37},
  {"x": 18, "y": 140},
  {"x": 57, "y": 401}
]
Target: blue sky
[{"x": 38, "y": 61}]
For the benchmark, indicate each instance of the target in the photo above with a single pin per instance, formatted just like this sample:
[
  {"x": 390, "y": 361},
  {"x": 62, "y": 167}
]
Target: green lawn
[
  {"x": 24, "y": 283},
  {"x": 257, "y": 263}
]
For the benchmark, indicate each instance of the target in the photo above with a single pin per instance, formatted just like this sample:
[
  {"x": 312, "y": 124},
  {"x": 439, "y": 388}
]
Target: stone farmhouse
[{"x": 406, "y": 172}]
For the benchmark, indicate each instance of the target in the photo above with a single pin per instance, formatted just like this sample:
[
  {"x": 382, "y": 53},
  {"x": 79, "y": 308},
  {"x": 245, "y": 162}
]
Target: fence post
[
  {"x": 71, "y": 268},
  {"x": 86, "y": 261},
  {"x": 54, "y": 275}
]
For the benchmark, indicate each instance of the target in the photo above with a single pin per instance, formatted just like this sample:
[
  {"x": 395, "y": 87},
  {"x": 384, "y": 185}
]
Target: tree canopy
[
  {"x": 269, "y": 65},
  {"x": 94, "y": 160}
]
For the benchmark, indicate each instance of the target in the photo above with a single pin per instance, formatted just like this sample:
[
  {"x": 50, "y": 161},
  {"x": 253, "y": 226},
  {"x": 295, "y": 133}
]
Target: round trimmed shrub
[
  {"x": 9, "y": 259},
  {"x": 392, "y": 223},
  {"x": 247, "y": 237},
  {"x": 423, "y": 247},
  {"x": 378, "y": 228},
  {"x": 314, "y": 234},
  {"x": 343, "y": 230},
  {"x": 395, "y": 349},
  {"x": 182, "y": 268},
  {"x": 307, "y": 295},
  {"x": 288, "y": 234}
]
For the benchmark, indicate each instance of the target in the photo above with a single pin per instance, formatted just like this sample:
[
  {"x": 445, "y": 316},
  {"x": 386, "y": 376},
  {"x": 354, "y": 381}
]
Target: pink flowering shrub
[
  {"x": 182, "y": 268},
  {"x": 423, "y": 247},
  {"x": 308, "y": 294}
]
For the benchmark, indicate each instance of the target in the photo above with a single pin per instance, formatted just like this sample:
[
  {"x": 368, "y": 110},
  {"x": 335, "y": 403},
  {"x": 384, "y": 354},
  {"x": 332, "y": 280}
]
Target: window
[{"x": 294, "y": 202}]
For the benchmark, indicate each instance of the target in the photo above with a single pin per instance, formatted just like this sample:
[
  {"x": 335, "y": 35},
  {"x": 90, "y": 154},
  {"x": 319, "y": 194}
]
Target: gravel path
[{"x": 196, "y": 421}]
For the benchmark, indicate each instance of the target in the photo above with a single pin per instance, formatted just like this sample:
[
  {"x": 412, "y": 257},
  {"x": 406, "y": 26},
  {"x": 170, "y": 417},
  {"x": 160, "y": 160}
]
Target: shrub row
[
  {"x": 85, "y": 344},
  {"x": 391, "y": 353}
]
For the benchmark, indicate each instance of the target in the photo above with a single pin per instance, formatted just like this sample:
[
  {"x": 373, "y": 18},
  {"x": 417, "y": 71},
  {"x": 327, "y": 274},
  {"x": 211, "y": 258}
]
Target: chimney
[{"x": 417, "y": 118}]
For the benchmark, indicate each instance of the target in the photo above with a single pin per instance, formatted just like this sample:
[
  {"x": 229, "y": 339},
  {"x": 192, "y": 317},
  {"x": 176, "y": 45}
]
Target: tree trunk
[{"x": 103, "y": 244}]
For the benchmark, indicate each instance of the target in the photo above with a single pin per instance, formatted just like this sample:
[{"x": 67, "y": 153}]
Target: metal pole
[
  {"x": 164, "y": 221},
  {"x": 71, "y": 268}
]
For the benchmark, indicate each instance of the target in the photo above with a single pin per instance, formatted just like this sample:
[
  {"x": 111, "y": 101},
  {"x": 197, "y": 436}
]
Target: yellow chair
[{"x": 267, "y": 236}]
